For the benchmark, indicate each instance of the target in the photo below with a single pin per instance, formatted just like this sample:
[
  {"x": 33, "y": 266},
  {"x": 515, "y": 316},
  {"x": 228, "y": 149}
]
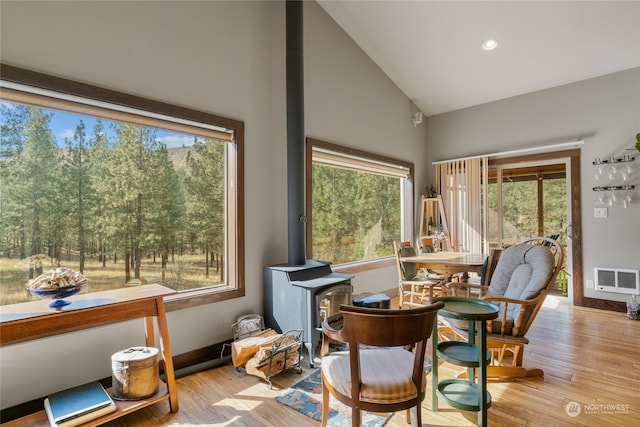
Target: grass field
[{"x": 185, "y": 272}]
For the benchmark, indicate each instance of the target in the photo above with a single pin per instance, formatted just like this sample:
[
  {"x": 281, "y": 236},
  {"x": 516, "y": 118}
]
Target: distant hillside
[{"x": 178, "y": 156}]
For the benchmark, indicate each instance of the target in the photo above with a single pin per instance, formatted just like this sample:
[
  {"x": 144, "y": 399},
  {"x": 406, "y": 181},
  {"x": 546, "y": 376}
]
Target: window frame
[
  {"x": 407, "y": 199},
  {"x": 235, "y": 202}
]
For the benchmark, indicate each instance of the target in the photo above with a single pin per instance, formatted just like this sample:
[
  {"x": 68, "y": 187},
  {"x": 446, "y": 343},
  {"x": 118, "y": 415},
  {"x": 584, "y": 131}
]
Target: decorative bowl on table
[{"x": 57, "y": 284}]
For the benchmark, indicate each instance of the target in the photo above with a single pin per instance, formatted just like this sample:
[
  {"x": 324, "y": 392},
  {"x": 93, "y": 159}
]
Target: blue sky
[{"x": 63, "y": 125}]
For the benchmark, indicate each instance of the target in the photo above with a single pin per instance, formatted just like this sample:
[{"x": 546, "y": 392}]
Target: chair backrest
[
  {"x": 424, "y": 244},
  {"x": 406, "y": 270},
  {"x": 389, "y": 328},
  {"x": 382, "y": 327},
  {"x": 526, "y": 271},
  {"x": 489, "y": 266}
]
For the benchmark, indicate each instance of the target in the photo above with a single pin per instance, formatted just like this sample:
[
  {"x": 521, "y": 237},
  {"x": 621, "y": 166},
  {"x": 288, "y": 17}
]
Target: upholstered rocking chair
[
  {"x": 378, "y": 373},
  {"x": 520, "y": 281}
]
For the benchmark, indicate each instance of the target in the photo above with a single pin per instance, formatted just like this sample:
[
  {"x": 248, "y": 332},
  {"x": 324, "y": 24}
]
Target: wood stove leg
[{"x": 310, "y": 349}]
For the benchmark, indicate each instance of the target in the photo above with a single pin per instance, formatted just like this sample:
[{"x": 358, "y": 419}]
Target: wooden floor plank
[{"x": 589, "y": 356}]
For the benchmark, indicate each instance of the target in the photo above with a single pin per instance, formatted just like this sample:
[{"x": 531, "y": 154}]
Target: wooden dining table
[{"x": 448, "y": 263}]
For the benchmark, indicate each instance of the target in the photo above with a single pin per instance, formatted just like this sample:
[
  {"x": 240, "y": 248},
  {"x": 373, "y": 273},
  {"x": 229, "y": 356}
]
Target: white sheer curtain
[{"x": 462, "y": 184}]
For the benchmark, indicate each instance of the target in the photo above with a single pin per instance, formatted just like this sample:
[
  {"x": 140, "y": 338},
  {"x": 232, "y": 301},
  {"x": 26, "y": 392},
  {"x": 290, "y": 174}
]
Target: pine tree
[
  {"x": 78, "y": 184},
  {"x": 28, "y": 182},
  {"x": 205, "y": 185},
  {"x": 164, "y": 206}
]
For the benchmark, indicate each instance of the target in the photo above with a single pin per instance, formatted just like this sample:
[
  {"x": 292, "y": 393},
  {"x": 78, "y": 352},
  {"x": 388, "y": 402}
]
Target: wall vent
[{"x": 620, "y": 280}]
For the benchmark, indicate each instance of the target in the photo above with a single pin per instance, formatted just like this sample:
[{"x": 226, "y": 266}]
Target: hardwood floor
[{"x": 590, "y": 357}]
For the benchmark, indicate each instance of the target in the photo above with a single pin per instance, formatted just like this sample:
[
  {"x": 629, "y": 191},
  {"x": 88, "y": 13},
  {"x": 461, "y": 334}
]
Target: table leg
[
  {"x": 471, "y": 339},
  {"x": 165, "y": 348},
  {"x": 482, "y": 375},
  {"x": 149, "y": 333}
]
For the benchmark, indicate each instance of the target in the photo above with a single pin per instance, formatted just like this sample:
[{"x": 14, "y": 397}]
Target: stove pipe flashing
[{"x": 295, "y": 133}]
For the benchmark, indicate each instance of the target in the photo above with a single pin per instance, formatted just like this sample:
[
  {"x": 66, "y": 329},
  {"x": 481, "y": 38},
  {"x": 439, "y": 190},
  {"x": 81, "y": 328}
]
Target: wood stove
[{"x": 302, "y": 296}]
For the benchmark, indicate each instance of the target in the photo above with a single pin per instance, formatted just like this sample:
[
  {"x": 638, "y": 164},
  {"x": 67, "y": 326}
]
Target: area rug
[{"x": 306, "y": 398}]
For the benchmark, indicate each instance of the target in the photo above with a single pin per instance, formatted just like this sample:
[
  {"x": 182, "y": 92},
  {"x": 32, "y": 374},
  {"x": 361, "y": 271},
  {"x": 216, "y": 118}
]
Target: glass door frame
[{"x": 532, "y": 161}]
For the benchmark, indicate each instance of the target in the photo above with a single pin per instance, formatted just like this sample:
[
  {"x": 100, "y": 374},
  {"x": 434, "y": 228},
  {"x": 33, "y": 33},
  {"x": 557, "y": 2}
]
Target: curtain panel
[{"x": 462, "y": 184}]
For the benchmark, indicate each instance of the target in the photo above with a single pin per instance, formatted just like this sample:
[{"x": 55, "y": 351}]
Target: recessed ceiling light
[{"x": 489, "y": 44}]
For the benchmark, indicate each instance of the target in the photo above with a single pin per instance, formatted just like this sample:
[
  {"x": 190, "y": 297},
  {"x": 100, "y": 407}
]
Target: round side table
[{"x": 464, "y": 394}]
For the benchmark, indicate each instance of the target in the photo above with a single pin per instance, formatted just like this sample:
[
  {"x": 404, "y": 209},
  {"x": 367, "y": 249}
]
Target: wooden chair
[
  {"x": 424, "y": 245},
  {"x": 414, "y": 289},
  {"x": 519, "y": 283},
  {"x": 378, "y": 373}
]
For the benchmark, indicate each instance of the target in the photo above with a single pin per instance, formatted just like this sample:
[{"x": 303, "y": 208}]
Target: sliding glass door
[{"x": 527, "y": 200}]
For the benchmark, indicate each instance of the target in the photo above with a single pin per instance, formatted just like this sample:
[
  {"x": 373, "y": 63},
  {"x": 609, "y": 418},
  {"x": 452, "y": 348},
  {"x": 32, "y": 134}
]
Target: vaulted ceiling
[{"x": 432, "y": 49}]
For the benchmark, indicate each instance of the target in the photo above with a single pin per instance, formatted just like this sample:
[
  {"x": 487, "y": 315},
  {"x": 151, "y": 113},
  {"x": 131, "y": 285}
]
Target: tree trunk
[
  {"x": 206, "y": 260},
  {"x": 136, "y": 252},
  {"x": 81, "y": 242},
  {"x": 127, "y": 266},
  {"x": 164, "y": 256}
]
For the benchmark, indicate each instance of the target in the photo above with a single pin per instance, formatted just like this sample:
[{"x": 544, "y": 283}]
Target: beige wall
[
  {"x": 226, "y": 58},
  {"x": 604, "y": 112}
]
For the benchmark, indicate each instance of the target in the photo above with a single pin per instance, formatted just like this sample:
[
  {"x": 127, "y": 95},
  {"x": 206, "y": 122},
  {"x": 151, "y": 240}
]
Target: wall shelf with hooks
[
  {"x": 617, "y": 180},
  {"x": 612, "y": 160},
  {"x": 615, "y": 188}
]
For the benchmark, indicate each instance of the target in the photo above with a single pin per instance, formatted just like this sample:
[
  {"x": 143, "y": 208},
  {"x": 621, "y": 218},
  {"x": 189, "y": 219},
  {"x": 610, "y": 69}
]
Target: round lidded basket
[{"x": 135, "y": 373}]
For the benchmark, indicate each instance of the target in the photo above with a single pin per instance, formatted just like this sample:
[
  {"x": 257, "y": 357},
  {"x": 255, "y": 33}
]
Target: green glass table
[{"x": 464, "y": 394}]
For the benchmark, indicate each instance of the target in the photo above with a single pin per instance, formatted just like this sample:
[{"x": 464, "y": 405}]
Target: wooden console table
[{"x": 32, "y": 320}]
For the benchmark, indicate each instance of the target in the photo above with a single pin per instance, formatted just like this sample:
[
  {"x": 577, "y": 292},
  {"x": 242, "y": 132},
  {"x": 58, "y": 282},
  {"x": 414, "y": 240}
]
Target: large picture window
[
  {"x": 125, "y": 194},
  {"x": 360, "y": 203}
]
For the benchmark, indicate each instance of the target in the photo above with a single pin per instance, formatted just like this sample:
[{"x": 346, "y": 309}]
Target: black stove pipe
[{"x": 295, "y": 133}]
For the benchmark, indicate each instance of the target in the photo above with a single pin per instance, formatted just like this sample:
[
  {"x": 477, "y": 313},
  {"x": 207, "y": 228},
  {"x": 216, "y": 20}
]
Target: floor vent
[{"x": 620, "y": 280}]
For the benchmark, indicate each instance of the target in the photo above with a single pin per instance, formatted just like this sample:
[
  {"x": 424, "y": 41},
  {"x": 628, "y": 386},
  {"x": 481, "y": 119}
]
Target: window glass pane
[
  {"x": 519, "y": 215},
  {"x": 356, "y": 214},
  {"x": 493, "y": 215},
  {"x": 122, "y": 203},
  {"x": 555, "y": 206},
  {"x": 520, "y": 208}
]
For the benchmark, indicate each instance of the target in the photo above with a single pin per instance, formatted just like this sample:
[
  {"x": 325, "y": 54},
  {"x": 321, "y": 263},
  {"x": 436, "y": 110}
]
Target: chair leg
[
  {"x": 509, "y": 368},
  {"x": 356, "y": 416},
  {"x": 325, "y": 405},
  {"x": 501, "y": 351},
  {"x": 498, "y": 370},
  {"x": 416, "y": 416},
  {"x": 518, "y": 355}
]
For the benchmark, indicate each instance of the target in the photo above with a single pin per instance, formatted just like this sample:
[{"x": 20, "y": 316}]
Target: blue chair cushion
[{"x": 373, "y": 301}]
